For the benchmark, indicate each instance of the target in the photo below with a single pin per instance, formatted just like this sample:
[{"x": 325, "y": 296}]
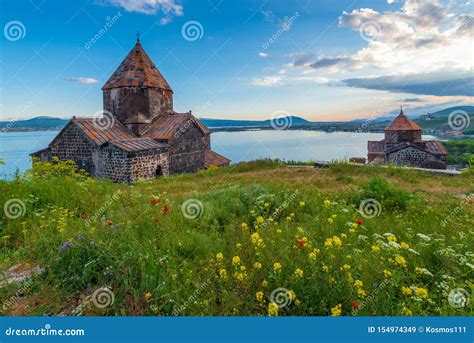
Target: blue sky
[{"x": 321, "y": 60}]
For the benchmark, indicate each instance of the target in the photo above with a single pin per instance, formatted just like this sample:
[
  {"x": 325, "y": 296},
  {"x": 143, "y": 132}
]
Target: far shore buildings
[
  {"x": 403, "y": 146},
  {"x": 139, "y": 136}
]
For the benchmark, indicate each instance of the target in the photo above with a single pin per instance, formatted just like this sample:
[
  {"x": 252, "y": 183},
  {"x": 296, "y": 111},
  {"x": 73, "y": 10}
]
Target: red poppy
[
  {"x": 359, "y": 221},
  {"x": 166, "y": 209},
  {"x": 109, "y": 222},
  {"x": 155, "y": 201},
  {"x": 355, "y": 305},
  {"x": 300, "y": 242},
  {"x": 85, "y": 215}
]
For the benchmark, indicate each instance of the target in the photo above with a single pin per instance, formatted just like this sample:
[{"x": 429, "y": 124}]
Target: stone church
[
  {"x": 403, "y": 146},
  {"x": 139, "y": 136}
]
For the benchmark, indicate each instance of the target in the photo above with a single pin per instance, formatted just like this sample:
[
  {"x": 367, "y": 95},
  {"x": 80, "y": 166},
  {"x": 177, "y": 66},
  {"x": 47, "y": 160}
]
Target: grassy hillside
[{"x": 253, "y": 239}]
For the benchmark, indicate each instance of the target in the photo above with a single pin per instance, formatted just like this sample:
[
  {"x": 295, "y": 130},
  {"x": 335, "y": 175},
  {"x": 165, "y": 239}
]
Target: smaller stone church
[
  {"x": 404, "y": 146},
  {"x": 138, "y": 136}
]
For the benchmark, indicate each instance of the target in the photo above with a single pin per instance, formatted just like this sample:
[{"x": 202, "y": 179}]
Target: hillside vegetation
[{"x": 257, "y": 238}]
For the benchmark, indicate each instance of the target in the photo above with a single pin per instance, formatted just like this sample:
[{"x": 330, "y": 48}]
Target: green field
[{"x": 257, "y": 238}]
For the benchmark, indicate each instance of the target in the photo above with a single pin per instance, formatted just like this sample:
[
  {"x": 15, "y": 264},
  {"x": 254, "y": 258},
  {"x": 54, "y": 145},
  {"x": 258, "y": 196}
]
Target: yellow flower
[
  {"x": 330, "y": 220},
  {"x": 239, "y": 276},
  {"x": 298, "y": 273},
  {"x": 266, "y": 204},
  {"x": 336, "y": 310},
  {"x": 405, "y": 245},
  {"x": 147, "y": 295},
  {"x": 358, "y": 284},
  {"x": 236, "y": 260},
  {"x": 418, "y": 270},
  {"x": 279, "y": 231},
  {"x": 361, "y": 293},
  {"x": 422, "y": 292},
  {"x": 257, "y": 265},
  {"x": 242, "y": 268},
  {"x": 375, "y": 248},
  {"x": 392, "y": 238},
  {"x": 354, "y": 226},
  {"x": 288, "y": 219},
  {"x": 326, "y": 269},
  {"x": 272, "y": 309},
  {"x": 352, "y": 230},
  {"x": 292, "y": 214},
  {"x": 400, "y": 260},
  {"x": 327, "y": 203},
  {"x": 223, "y": 273},
  {"x": 297, "y": 302},
  {"x": 244, "y": 226},
  {"x": 264, "y": 283},
  {"x": 406, "y": 311},
  {"x": 260, "y": 220},
  {"x": 254, "y": 237},
  {"x": 337, "y": 241},
  {"x": 312, "y": 255},
  {"x": 238, "y": 245},
  {"x": 387, "y": 273},
  {"x": 343, "y": 235},
  {"x": 407, "y": 291},
  {"x": 328, "y": 243},
  {"x": 334, "y": 216},
  {"x": 302, "y": 204},
  {"x": 300, "y": 229},
  {"x": 346, "y": 267},
  {"x": 219, "y": 257},
  {"x": 276, "y": 266},
  {"x": 259, "y": 296}
]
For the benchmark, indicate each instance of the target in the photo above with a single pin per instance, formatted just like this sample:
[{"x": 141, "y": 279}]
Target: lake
[{"x": 15, "y": 147}]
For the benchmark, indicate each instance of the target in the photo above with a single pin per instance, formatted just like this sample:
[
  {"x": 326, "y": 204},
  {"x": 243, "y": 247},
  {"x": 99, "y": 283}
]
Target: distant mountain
[
  {"x": 229, "y": 123},
  {"x": 34, "y": 124},
  {"x": 439, "y": 121}
]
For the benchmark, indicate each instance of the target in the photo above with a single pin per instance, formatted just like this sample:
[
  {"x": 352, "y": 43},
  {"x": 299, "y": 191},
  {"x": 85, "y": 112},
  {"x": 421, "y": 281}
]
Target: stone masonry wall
[
  {"x": 73, "y": 145},
  {"x": 186, "y": 152},
  {"x": 113, "y": 165},
  {"x": 410, "y": 157},
  {"x": 144, "y": 165}
]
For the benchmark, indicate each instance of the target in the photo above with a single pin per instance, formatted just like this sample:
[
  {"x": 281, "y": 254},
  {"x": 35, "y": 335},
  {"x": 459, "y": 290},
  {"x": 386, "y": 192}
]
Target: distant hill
[
  {"x": 439, "y": 120},
  {"x": 34, "y": 124},
  {"x": 229, "y": 123}
]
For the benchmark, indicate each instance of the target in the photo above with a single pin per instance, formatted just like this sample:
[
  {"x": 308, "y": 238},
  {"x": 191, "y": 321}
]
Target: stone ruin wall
[
  {"x": 186, "y": 152},
  {"x": 410, "y": 157}
]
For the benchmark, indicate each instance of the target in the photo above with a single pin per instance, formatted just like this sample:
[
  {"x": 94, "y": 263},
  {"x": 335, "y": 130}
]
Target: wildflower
[
  {"x": 272, "y": 309},
  {"x": 155, "y": 201},
  {"x": 260, "y": 220},
  {"x": 238, "y": 245},
  {"x": 300, "y": 229},
  {"x": 407, "y": 291},
  {"x": 358, "y": 284},
  {"x": 354, "y": 226},
  {"x": 330, "y": 220},
  {"x": 219, "y": 257},
  {"x": 255, "y": 237},
  {"x": 298, "y": 273},
  {"x": 243, "y": 268},
  {"x": 236, "y": 260},
  {"x": 257, "y": 265},
  {"x": 312, "y": 255},
  {"x": 264, "y": 283},
  {"x": 421, "y": 292},
  {"x": 276, "y": 266},
  {"x": 240, "y": 276},
  {"x": 85, "y": 215},
  {"x": 392, "y": 238},
  {"x": 292, "y": 214},
  {"x": 346, "y": 267},
  {"x": 302, "y": 204},
  {"x": 259, "y": 296},
  {"x": 223, "y": 273},
  {"x": 300, "y": 242},
  {"x": 361, "y": 293},
  {"x": 327, "y": 203},
  {"x": 297, "y": 302},
  {"x": 387, "y": 273},
  {"x": 147, "y": 295},
  {"x": 400, "y": 260},
  {"x": 328, "y": 243},
  {"x": 375, "y": 248},
  {"x": 355, "y": 305},
  {"x": 266, "y": 204},
  {"x": 166, "y": 209},
  {"x": 326, "y": 269},
  {"x": 288, "y": 219},
  {"x": 108, "y": 222},
  {"x": 352, "y": 230},
  {"x": 64, "y": 246},
  {"x": 405, "y": 245},
  {"x": 334, "y": 216},
  {"x": 244, "y": 226},
  {"x": 337, "y": 241},
  {"x": 279, "y": 231},
  {"x": 359, "y": 221},
  {"x": 406, "y": 311},
  {"x": 343, "y": 235},
  {"x": 336, "y": 310}
]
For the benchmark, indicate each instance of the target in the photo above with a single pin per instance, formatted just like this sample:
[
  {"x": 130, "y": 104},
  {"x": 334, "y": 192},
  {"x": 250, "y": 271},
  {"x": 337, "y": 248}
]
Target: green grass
[{"x": 88, "y": 234}]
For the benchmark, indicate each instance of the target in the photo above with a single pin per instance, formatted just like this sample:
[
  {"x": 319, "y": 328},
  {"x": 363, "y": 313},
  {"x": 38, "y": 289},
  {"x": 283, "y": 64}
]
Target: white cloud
[
  {"x": 84, "y": 80},
  {"x": 391, "y": 1},
  {"x": 268, "y": 81},
  {"x": 169, "y": 8},
  {"x": 263, "y": 54}
]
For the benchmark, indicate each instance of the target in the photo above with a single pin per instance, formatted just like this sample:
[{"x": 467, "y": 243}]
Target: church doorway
[{"x": 159, "y": 171}]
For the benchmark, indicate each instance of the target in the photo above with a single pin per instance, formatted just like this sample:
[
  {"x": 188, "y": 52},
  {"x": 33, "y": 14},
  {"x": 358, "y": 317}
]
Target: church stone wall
[
  {"x": 73, "y": 145},
  {"x": 187, "y": 151},
  {"x": 410, "y": 157}
]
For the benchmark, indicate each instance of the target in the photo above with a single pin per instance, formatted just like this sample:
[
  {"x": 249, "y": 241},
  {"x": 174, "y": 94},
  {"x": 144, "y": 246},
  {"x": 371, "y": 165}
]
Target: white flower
[{"x": 424, "y": 237}]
